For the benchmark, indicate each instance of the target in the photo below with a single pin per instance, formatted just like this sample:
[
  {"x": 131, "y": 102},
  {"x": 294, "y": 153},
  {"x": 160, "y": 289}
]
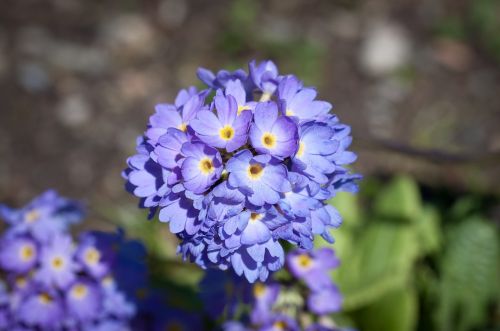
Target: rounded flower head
[{"x": 240, "y": 168}]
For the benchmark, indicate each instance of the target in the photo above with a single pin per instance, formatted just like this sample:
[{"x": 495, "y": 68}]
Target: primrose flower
[
  {"x": 272, "y": 134},
  {"x": 279, "y": 304},
  {"x": 54, "y": 283},
  {"x": 256, "y": 143},
  {"x": 57, "y": 265},
  {"x": 313, "y": 267},
  {"x": 201, "y": 167},
  {"x": 299, "y": 101},
  {"x": 41, "y": 308},
  {"x": 45, "y": 216},
  {"x": 262, "y": 178},
  {"x": 18, "y": 255},
  {"x": 228, "y": 130},
  {"x": 83, "y": 300}
]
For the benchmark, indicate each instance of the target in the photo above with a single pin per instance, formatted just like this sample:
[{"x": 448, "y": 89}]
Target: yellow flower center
[
  {"x": 226, "y": 133},
  {"x": 255, "y": 171},
  {"x": 280, "y": 325},
  {"x": 107, "y": 281},
  {"x": 268, "y": 140},
  {"x": 57, "y": 263},
  {"x": 45, "y": 298},
  {"x": 206, "y": 166},
  {"x": 255, "y": 216},
  {"x": 182, "y": 127},
  {"x": 300, "y": 151},
  {"x": 79, "y": 291},
  {"x": 92, "y": 256},
  {"x": 242, "y": 108},
  {"x": 304, "y": 260},
  {"x": 21, "y": 282},
  {"x": 26, "y": 252},
  {"x": 265, "y": 97},
  {"x": 289, "y": 112},
  {"x": 32, "y": 216},
  {"x": 258, "y": 290}
]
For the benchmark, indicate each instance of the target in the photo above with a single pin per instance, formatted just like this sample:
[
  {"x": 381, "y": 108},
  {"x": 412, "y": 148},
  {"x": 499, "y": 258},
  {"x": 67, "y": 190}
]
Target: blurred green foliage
[
  {"x": 411, "y": 263},
  {"x": 408, "y": 261},
  {"x": 242, "y": 35},
  {"x": 479, "y": 24}
]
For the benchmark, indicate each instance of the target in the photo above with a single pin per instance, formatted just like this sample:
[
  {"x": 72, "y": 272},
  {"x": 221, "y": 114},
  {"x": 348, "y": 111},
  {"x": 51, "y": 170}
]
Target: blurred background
[{"x": 418, "y": 81}]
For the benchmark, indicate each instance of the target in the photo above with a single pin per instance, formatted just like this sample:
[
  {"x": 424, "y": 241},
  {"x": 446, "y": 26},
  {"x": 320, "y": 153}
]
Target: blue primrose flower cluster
[
  {"x": 278, "y": 305},
  {"x": 53, "y": 283},
  {"x": 241, "y": 165}
]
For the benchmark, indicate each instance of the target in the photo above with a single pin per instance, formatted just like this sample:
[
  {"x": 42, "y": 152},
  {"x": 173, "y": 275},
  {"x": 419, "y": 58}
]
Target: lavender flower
[{"x": 207, "y": 164}]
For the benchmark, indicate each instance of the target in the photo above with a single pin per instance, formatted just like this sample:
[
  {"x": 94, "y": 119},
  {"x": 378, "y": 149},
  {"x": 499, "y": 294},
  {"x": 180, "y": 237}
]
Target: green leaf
[
  {"x": 379, "y": 260},
  {"x": 348, "y": 206},
  {"x": 399, "y": 200},
  {"x": 428, "y": 230},
  {"x": 395, "y": 311},
  {"x": 469, "y": 275}
]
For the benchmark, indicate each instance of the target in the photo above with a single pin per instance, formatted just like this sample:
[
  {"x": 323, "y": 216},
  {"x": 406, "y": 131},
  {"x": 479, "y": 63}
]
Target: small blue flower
[
  {"x": 169, "y": 116},
  {"x": 201, "y": 167},
  {"x": 326, "y": 301},
  {"x": 83, "y": 300},
  {"x": 265, "y": 77},
  {"x": 227, "y": 130},
  {"x": 300, "y": 101},
  {"x": 244, "y": 99},
  {"x": 41, "y": 308},
  {"x": 221, "y": 79},
  {"x": 45, "y": 216},
  {"x": 262, "y": 178},
  {"x": 18, "y": 254},
  {"x": 313, "y": 267},
  {"x": 273, "y": 134},
  {"x": 178, "y": 211},
  {"x": 57, "y": 265}
]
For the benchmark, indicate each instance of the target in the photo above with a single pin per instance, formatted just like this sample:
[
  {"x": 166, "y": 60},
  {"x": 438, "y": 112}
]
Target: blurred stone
[
  {"x": 453, "y": 54},
  {"x": 33, "y": 41},
  {"x": 81, "y": 174},
  {"x": 129, "y": 35},
  {"x": 172, "y": 13},
  {"x": 74, "y": 110},
  {"x": 345, "y": 25},
  {"x": 33, "y": 77},
  {"x": 3, "y": 54},
  {"x": 77, "y": 58},
  {"x": 134, "y": 84},
  {"x": 68, "y": 6},
  {"x": 385, "y": 49}
]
